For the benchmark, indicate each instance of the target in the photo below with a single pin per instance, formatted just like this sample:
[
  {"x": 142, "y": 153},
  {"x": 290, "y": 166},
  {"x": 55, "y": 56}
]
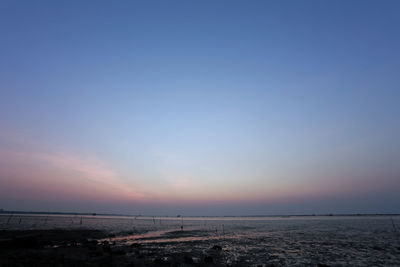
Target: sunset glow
[{"x": 200, "y": 108}]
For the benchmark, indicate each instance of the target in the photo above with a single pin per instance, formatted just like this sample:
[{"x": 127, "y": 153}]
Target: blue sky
[{"x": 253, "y": 107}]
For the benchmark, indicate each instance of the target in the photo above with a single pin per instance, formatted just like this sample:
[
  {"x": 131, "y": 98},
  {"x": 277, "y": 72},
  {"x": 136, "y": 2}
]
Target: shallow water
[{"x": 308, "y": 240}]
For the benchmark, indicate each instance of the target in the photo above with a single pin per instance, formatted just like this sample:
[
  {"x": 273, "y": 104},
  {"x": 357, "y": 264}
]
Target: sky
[{"x": 200, "y": 107}]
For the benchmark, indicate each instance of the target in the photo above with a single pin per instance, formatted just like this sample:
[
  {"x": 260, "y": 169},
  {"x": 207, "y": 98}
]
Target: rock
[
  {"x": 73, "y": 244},
  {"x": 20, "y": 242},
  {"x": 118, "y": 252},
  {"x": 107, "y": 249},
  {"x": 160, "y": 261},
  {"x": 216, "y": 247},
  {"x": 208, "y": 259},
  {"x": 187, "y": 259},
  {"x": 135, "y": 245},
  {"x": 96, "y": 253},
  {"x": 91, "y": 245}
]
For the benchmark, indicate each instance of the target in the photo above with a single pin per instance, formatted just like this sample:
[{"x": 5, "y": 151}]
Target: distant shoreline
[{"x": 9, "y": 212}]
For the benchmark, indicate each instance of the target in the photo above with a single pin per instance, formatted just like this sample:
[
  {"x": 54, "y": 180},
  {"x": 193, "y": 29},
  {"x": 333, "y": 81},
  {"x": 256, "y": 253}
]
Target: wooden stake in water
[
  {"x": 181, "y": 223},
  {"x": 9, "y": 218},
  {"x": 80, "y": 223},
  {"x": 394, "y": 226}
]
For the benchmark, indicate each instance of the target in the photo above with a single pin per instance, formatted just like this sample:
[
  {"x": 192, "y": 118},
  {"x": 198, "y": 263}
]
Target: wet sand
[{"x": 196, "y": 247}]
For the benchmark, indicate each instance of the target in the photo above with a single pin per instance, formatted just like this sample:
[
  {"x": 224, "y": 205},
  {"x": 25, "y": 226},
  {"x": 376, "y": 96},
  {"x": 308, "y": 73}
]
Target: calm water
[
  {"x": 219, "y": 225},
  {"x": 333, "y": 240}
]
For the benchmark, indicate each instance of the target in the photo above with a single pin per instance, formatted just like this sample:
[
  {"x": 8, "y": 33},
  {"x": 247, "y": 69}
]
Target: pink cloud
[{"x": 60, "y": 175}]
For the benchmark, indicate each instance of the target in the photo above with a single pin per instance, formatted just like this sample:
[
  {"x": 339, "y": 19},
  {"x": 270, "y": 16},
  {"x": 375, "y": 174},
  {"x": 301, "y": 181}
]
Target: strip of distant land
[{"x": 2, "y": 211}]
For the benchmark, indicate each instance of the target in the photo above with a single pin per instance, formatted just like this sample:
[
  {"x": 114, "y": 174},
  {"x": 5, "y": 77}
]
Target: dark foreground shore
[{"x": 83, "y": 247}]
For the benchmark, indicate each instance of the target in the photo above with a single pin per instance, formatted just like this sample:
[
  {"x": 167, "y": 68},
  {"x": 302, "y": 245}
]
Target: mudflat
[{"x": 193, "y": 247}]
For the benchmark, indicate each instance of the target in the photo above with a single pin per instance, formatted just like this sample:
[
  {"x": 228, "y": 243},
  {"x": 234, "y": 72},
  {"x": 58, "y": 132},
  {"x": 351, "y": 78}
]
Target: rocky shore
[
  {"x": 82, "y": 248},
  {"x": 86, "y": 247}
]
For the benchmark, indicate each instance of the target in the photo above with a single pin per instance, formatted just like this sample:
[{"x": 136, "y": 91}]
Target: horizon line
[{"x": 11, "y": 212}]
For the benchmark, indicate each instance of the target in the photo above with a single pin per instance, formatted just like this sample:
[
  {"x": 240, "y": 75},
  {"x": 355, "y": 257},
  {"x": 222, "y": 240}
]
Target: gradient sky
[{"x": 200, "y": 107}]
